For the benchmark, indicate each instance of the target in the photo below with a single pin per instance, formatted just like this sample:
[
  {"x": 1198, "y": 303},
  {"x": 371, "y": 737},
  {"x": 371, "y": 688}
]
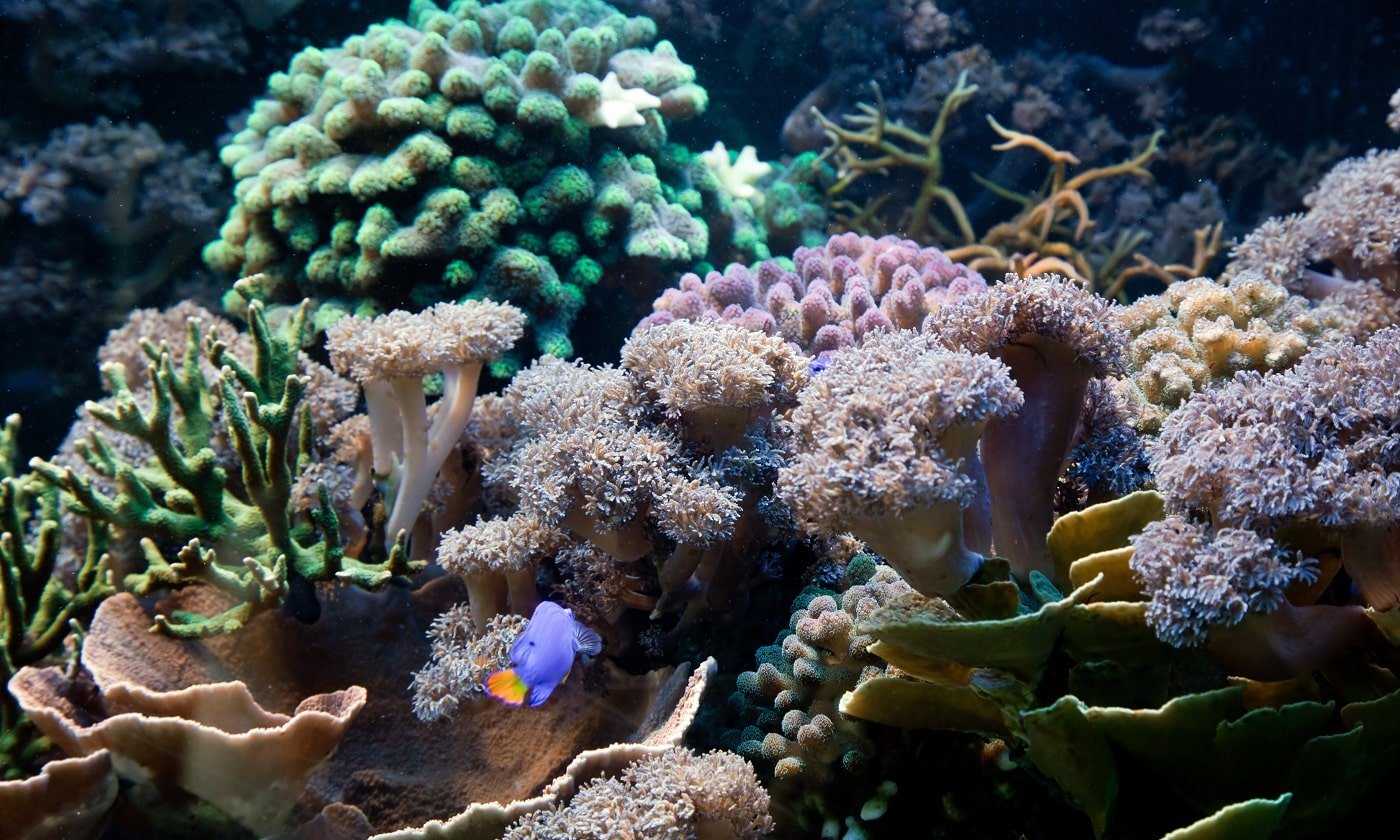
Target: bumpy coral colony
[{"x": 1041, "y": 550}]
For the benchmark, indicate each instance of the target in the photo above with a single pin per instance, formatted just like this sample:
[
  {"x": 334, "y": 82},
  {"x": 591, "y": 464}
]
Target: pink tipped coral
[{"x": 833, "y": 296}]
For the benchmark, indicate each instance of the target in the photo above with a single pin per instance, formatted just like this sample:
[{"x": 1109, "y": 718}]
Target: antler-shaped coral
[
  {"x": 238, "y": 532},
  {"x": 1029, "y": 243},
  {"x": 889, "y": 140}
]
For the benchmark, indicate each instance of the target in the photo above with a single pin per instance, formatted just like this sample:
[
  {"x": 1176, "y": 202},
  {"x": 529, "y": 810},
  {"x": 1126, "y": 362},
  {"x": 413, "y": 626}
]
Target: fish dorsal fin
[{"x": 586, "y": 641}]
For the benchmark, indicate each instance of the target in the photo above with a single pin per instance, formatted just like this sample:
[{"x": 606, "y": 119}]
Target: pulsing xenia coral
[
  {"x": 389, "y": 356},
  {"x": 670, "y": 794},
  {"x": 884, "y": 445},
  {"x": 1287, "y": 477},
  {"x": 511, "y": 150},
  {"x": 1054, "y": 336},
  {"x": 461, "y": 661},
  {"x": 660, "y": 461}
]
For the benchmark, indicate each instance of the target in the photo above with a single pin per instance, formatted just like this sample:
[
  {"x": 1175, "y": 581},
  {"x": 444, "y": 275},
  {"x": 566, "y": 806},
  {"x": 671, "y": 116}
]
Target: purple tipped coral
[{"x": 831, "y": 297}]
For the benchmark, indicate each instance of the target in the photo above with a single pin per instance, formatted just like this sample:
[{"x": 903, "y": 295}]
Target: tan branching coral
[
  {"x": 1054, "y": 336},
  {"x": 389, "y": 356},
  {"x": 871, "y": 143},
  {"x": 883, "y": 446},
  {"x": 1031, "y": 243}
]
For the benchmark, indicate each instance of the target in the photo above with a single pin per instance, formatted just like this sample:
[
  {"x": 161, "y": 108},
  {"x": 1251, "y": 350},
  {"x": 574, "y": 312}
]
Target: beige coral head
[
  {"x": 873, "y": 431},
  {"x": 404, "y": 345},
  {"x": 1050, "y": 306},
  {"x": 691, "y": 365},
  {"x": 503, "y": 545}
]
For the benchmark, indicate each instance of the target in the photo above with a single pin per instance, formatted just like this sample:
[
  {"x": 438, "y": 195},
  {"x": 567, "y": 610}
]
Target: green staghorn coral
[
  {"x": 41, "y": 603},
  {"x": 206, "y": 466},
  {"x": 513, "y": 151}
]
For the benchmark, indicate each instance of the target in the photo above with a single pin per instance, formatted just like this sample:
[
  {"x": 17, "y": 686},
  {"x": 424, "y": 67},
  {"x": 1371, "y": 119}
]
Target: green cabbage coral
[{"x": 513, "y": 151}]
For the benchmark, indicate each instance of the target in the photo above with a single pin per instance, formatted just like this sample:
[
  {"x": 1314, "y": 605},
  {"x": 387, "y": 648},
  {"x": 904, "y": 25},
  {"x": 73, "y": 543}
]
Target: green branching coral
[
  {"x": 514, "y": 151},
  {"x": 40, "y": 603},
  {"x": 226, "y": 508}
]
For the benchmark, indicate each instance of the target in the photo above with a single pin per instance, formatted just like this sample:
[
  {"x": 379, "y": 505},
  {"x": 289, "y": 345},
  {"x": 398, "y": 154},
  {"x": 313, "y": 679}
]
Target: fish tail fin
[
  {"x": 507, "y": 687},
  {"x": 586, "y": 641}
]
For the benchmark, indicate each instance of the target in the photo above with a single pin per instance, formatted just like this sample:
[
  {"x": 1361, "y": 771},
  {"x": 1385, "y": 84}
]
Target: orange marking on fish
[{"x": 507, "y": 687}]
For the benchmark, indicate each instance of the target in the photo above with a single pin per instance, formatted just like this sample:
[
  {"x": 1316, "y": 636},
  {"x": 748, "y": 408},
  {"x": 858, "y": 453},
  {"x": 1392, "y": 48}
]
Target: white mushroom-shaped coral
[
  {"x": 740, "y": 176},
  {"x": 621, "y": 107}
]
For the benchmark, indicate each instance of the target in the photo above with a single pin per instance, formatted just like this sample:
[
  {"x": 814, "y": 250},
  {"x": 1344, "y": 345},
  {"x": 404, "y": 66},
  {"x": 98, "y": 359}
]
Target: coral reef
[
  {"x": 95, "y": 219},
  {"x": 661, "y": 459},
  {"x": 1060, "y": 530}
]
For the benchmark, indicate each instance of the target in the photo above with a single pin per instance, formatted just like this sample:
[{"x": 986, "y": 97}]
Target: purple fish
[{"x": 542, "y": 656}]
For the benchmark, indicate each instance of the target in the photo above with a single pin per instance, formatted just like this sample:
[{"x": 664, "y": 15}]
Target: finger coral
[
  {"x": 832, "y": 296},
  {"x": 788, "y": 705},
  {"x": 883, "y": 445},
  {"x": 207, "y": 464},
  {"x": 512, "y": 150}
]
